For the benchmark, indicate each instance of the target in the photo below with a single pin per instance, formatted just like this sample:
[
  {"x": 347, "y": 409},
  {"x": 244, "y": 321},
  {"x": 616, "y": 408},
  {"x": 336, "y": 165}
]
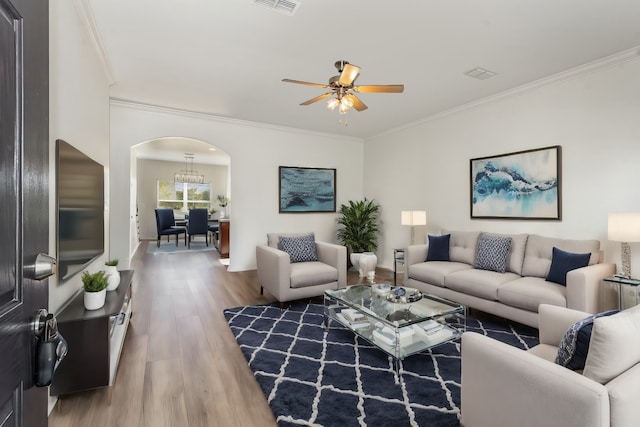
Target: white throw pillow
[{"x": 615, "y": 345}]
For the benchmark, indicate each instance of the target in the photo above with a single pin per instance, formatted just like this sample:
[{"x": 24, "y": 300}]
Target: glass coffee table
[{"x": 399, "y": 328}]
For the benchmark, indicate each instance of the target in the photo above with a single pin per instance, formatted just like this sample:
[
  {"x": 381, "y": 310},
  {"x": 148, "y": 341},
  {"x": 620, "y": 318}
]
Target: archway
[{"x": 154, "y": 164}]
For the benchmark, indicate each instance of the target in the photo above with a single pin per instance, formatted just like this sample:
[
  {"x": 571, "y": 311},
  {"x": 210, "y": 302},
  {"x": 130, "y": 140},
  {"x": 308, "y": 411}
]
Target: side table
[
  {"x": 628, "y": 290},
  {"x": 398, "y": 264}
]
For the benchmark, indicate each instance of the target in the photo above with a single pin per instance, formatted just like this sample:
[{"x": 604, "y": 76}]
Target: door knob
[{"x": 41, "y": 267}]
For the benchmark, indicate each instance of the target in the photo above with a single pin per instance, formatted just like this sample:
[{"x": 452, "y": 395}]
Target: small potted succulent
[
  {"x": 95, "y": 289},
  {"x": 112, "y": 273}
]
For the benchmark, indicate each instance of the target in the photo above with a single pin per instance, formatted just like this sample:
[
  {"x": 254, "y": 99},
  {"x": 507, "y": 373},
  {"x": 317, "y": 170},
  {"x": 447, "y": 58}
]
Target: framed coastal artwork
[
  {"x": 307, "y": 189},
  {"x": 519, "y": 185}
]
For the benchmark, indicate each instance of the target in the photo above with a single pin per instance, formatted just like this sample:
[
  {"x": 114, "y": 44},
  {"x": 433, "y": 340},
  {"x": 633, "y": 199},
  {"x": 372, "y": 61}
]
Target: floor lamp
[
  {"x": 413, "y": 218},
  {"x": 624, "y": 227}
]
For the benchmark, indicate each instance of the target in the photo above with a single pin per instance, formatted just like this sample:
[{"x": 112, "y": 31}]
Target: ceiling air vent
[
  {"x": 480, "y": 73},
  {"x": 287, "y": 7}
]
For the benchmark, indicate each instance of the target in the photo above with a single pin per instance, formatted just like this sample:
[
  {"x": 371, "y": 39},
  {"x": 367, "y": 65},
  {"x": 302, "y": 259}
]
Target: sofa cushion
[
  {"x": 438, "y": 249},
  {"x": 479, "y": 283},
  {"x": 573, "y": 349},
  {"x": 563, "y": 262},
  {"x": 614, "y": 346},
  {"x": 529, "y": 292},
  {"x": 462, "y": 246},
  {"x": 539, "y": 252},
  {"x": 516, "y": 255},
  {"x": 300, "y": 249},
  {"x": 492, "y": 253},
  {"x": 434, "y": 272},
  {"x": 312, "y": 273}
]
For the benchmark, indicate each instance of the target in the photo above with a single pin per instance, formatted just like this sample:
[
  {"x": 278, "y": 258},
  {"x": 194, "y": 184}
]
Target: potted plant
[
  {"x": 223, "y": 201},
  {"x": 359, "y": 231},
  {"x": 112, "y": 273},
  {"x": 95, "y": 289}
]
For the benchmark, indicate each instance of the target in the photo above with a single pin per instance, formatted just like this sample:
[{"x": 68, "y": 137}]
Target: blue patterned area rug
[{"x": 315, "y": 377}]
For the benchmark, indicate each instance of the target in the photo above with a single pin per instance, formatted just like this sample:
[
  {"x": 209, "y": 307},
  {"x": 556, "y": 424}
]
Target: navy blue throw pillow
[
  {"x": 573, "y": 349},
  {"x": 300, "y": 249},
  {"x": 563, "y": 262},
  {"x": 438, "y": 248}
]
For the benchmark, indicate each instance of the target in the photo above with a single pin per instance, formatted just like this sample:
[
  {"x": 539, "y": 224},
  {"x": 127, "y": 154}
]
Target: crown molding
[
  {"x": 88, "y": 18},
  {"x": 581, "y": 70},
  {"x": 124, "y": 103}
]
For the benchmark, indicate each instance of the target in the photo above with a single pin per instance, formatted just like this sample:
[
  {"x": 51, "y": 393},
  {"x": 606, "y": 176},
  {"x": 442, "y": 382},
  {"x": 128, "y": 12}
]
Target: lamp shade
[
  {"x": 413, "y": 218},
  {"x": 624, "y": 227}
]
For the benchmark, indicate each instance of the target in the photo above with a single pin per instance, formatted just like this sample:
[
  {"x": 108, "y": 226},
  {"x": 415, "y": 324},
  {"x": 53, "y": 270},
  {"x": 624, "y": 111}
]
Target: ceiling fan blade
[
  {"x": 299, "y": 82},
  {"x": 349, "y": 74},
  {"x": 317, "y": 98},
  {"x": 357, "y": 104},
  {"x": 379, "y": 88}
]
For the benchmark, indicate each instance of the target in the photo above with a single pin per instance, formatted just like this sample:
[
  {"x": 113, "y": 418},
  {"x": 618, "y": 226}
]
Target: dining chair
[
  {"x": 198, "y": 224},
  {"x": 166, "y": 225}
]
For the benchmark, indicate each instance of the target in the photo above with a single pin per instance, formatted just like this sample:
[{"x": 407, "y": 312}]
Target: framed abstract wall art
[
  {"x": 307, "y": 189},
  {"x": 519, "y": 185}
]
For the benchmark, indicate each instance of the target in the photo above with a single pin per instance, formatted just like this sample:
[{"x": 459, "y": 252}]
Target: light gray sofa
[
  {"x": 516, "y": 293},
  {"x": 503, "y": 386}
]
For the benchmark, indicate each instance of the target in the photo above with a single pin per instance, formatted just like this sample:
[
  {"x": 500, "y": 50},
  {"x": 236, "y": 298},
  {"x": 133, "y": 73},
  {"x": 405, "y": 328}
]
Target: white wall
[
  {"x": 78, "y": 113},
  {"x": 256, "y": 152},
  {"x": 148, "y": 174},
  {"x": 594, "y": 116}
]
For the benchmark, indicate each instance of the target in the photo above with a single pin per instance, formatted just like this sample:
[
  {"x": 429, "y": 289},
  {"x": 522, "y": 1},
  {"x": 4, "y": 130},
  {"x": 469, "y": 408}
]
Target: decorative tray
[{"x": 402, "y": 295}]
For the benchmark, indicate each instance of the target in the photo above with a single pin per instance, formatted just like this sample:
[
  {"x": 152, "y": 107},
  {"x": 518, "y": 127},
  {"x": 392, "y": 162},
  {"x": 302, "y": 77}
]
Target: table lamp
[
  {"x": 624, "y": 227},
  {"x": 413, "y": 218}
]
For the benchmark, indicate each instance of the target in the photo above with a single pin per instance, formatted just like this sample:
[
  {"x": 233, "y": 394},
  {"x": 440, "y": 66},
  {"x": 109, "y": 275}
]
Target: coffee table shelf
[{"x": 399, "y": 330}]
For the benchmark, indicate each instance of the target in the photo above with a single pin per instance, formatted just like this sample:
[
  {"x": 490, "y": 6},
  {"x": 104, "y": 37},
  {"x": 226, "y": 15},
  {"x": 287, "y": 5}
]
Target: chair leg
[
  {"x": 176, "y": 240},
  {"x": 261, "y": 290},
  {"x": 206, "y": 239},
  {"x": 159, "y": 241},
  {"x": 189, "y": 244}
]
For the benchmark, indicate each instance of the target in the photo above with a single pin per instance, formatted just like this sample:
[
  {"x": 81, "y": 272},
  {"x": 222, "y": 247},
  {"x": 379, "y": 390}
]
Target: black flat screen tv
[{"x": 80, "y": 207}]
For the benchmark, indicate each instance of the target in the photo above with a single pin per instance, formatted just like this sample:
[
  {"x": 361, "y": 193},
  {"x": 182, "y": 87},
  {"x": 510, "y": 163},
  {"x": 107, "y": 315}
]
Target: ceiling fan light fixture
[
  {"x": 343, "y": 108},
  {"x": 332, "y": 103}
]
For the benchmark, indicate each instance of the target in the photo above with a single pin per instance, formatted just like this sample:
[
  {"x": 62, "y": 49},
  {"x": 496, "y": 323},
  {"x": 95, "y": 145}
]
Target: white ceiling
[{"x": 228, "y": 57}]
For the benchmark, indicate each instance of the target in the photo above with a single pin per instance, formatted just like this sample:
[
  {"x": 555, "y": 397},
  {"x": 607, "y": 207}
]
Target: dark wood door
[{"x": 24, "y": 188}]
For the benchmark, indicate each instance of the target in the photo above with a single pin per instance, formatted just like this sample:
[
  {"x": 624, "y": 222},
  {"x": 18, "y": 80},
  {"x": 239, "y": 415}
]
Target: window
[{"x": 182, "y": 196}]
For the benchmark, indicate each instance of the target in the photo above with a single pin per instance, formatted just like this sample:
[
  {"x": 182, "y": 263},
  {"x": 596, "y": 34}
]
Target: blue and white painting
[
  {"x": 307, "y": 189},
  {"x": 522, "y": 185}
]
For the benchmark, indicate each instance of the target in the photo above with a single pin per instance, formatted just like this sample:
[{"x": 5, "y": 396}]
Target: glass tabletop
[{"x": 374, "y": 303}]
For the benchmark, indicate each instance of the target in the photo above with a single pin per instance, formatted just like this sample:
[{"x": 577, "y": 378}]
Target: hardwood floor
[{"x": 180, "y": 365}]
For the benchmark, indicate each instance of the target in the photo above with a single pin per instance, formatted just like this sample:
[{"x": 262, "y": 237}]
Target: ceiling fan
[{"x": 342, "y": 86}]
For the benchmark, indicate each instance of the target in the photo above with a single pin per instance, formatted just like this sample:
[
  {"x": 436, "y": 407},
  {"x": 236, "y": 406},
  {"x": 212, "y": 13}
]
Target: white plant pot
[
  {"x": 113, "y": 276},
  {"x": 355, "y": 259},
  {"x": 221, "y": 213},
  {"x": 94, "y": 300},
  {"x": 367, "y": 265}
]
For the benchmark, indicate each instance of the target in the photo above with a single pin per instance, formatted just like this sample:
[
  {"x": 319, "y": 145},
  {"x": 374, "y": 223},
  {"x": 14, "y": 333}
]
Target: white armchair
[
  {"x": 503, "y": 386},
  {"x": 288, "y": 281}
]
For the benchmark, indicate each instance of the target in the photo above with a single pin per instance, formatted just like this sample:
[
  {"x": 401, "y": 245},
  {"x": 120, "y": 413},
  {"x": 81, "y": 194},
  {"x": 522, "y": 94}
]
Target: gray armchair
[
  {"x": 288, "y": 281},
  {"x": 503, "y": 386}
]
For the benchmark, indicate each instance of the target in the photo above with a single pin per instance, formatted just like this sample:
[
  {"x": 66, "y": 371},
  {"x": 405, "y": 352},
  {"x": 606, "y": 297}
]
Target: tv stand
[{"x": 95, "y": 339}]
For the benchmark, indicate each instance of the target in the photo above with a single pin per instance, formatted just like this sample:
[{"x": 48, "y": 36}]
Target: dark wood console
[{"x": 95, "y": 339}]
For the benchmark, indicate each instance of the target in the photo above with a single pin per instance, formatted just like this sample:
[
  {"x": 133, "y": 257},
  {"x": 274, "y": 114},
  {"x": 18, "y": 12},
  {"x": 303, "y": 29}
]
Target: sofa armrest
[
  {"x": 273, "y": 268},
  {"x": 503, "y": 386},
  {"x": 335, "y": 256},
  {"x": 554, "y": 321},
  {"x": 584, "y": 286},
  {"x": 416, "y": 254}
]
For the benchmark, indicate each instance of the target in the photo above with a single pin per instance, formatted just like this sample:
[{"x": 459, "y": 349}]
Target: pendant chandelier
[{"x": 188, "y": 174}]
